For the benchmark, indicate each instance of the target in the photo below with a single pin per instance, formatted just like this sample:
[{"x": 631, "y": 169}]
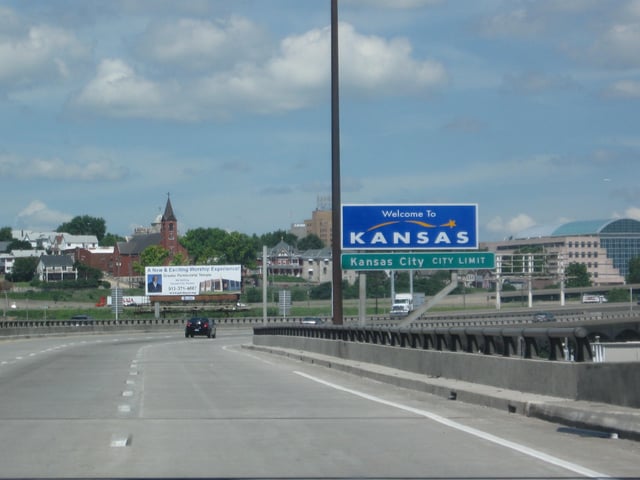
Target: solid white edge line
[{"x": 469, "y": 430}]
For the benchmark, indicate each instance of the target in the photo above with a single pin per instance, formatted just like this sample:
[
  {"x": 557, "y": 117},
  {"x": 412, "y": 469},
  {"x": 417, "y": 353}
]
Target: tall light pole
[{"x": 336, "y": 222}]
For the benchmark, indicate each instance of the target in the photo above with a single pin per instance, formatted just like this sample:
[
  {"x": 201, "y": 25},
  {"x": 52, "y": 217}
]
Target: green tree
[
  {"x": 577, "y": 275},
  {"x": 237, "y": 248},
  {"x": 5, "y": 234},
  {"x": 310, "y": 242},
  {"x": 214, "y": 246},
  {"x": 19, "y": 245},
  {"x": 321, "y": 291},
  {"x": 84, "y": 225},
  {"x": 273, "y": 238},
  {"x": 378, "y": 284},
  {"x": 634, "y": 270},
  {"x": 87, "y": 273},
  {"x": 152, "y": 256},
  {"x": 110, "y": 240},
  {"x": 179, "y": 259},
  {"x": 24, "y": 269},
  {"x": 618, "y": 295},
  {"x": 203, "y": 245}
]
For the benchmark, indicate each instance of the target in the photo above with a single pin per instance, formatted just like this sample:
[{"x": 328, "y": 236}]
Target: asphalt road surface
[{"x": 140, "y": 405}]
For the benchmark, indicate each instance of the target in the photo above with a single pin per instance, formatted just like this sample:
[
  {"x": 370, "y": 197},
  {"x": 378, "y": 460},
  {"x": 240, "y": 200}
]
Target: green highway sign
[{"x": 419, "y": 261}]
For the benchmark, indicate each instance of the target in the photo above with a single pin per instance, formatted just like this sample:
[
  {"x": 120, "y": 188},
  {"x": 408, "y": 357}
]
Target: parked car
[
  {"x": 544, "y": 317},
  {"x": 200, "y": 326}
]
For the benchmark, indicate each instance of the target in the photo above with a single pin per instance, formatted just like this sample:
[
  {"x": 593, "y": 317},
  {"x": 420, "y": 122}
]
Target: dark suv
[{"x": 200, "y": 326}]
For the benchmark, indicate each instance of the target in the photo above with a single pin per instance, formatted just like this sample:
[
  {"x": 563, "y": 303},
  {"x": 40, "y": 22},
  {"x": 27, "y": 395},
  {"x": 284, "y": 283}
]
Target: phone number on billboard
[{"x": 180, "y": 289}]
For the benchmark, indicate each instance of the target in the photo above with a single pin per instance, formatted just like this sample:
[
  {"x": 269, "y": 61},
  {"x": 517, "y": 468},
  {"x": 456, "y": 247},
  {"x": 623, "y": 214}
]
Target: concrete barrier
[{"x": 616, "y": 383}]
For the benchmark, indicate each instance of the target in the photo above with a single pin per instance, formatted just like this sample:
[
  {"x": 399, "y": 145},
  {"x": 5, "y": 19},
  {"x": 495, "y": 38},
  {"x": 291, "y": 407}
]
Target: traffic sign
[
  {"x": 419, "y": 261},
  {"x": 410, "y": 227}
]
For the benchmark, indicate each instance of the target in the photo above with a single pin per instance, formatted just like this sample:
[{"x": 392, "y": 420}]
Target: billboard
[
  {"x": 191, "y": 280},
  {"x": 410, "y": 227}
]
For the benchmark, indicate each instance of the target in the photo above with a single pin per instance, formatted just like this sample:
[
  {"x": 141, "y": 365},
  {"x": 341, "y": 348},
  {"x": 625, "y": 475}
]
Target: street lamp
[{"x": 118, "y": 264}]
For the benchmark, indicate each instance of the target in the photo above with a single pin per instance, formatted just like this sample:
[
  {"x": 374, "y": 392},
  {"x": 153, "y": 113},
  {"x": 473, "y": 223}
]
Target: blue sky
[{"x": 531, "y": 109}]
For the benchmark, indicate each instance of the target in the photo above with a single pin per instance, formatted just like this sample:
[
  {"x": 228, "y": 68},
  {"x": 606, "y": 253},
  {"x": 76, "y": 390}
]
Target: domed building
[{"x": 605, "y": 247}]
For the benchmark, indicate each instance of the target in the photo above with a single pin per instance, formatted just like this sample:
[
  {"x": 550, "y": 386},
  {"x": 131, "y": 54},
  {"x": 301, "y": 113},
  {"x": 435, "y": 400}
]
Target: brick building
[{"x": 164, "y": 233}]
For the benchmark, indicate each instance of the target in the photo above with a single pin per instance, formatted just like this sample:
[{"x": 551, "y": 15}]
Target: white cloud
[
  {"x": 512, "y": 226},
  {"x": 297, "y": 76},
  {"x": 39, "y": 54},
  {"x": 515, "y": 23},
  {"x": 536, "y": 82},
  {"x": 38, "y": 216},
  {"x": 117, "y": 87},
  {"x": 624, "y": 89},
  {"x": 12, "y": 166},
  {"x": 632, "y": 212},
  {"x": 632, "y": 9},
  {"x": 202, "y": 45},
  {"x": 375, "y": 64},
  {"x": 618, "y": 46}
]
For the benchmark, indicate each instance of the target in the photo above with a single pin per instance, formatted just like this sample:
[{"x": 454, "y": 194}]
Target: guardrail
[
  {"x": 526, "y": 342},
  {"x": 450, "y": 319},
  {"x": 239, "y": 321},
  {"x": 504, "y": 333}
]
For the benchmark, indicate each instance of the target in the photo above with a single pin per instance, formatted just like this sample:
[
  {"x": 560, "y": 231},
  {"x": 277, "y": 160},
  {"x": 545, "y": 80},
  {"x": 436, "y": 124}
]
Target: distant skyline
[{"x": 529, "y": 109}]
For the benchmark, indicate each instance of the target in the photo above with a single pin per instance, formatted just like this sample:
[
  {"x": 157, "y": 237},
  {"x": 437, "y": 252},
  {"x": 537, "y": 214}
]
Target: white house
[
  {"x": 66, "y": 243},
  {"x": 7, "y": 260},
  {"x": 38, "y": 240},
  {"x": 55, "y": 268}
]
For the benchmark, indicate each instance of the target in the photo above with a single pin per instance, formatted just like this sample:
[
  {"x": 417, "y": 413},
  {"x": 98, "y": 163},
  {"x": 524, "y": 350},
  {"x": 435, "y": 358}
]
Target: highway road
[{"x": 160, "y": 405}]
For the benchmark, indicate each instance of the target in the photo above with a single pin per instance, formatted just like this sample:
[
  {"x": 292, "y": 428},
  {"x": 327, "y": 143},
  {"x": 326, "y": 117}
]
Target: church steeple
[
  {"x": 169, "y": 228},
  {"x": 168, "y": 215}
]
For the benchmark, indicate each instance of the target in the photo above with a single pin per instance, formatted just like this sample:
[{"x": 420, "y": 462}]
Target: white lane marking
[
  {"x": 119, "y": 441},
  {"x": 130, "y": 382},
  {"x": 463, "y": 428},
  {"x": 127, "y": 393},
  {"x": 124, "y": 408}
]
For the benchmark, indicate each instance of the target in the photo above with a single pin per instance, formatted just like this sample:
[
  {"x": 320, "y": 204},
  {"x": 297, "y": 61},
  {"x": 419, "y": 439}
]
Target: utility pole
[{"x": 336, "y": 222}]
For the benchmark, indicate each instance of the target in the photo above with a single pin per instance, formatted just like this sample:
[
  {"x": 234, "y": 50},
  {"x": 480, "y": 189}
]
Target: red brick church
[{"x": 163, "y": 233}]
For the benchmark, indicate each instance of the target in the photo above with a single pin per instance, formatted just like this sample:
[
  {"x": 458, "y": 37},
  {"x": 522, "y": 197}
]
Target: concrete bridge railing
[
  {"x": 527, "y": 342},
  {"x": 506, "y": 367}
]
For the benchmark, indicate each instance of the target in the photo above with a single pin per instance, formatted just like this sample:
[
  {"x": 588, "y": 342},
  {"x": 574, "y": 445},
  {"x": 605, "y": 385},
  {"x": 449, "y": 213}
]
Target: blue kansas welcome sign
[{"x": 410, "y": 227}]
